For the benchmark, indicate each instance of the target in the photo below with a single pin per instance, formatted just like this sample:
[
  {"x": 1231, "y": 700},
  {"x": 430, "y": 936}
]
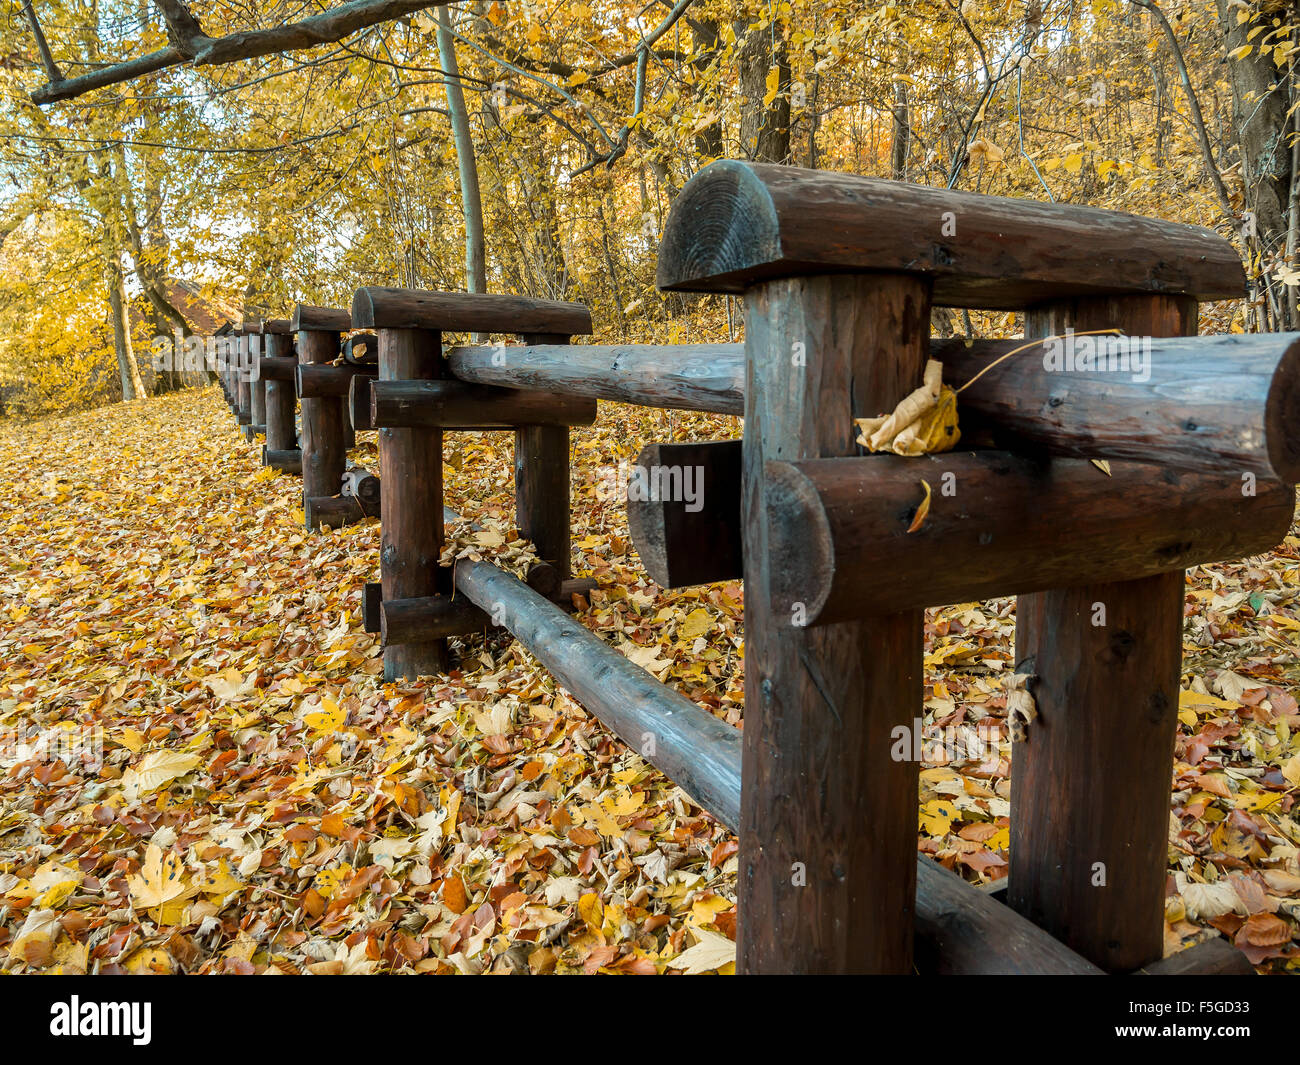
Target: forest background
[{"x": 536, "y": 147}]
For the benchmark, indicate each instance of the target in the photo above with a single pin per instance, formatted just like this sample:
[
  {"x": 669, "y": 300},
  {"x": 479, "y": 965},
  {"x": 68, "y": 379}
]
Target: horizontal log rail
[
  {"x": 841, "y": 547},
  {"x": 404, "y": 308},
  {"x": 960, "y": 929},
  {"x": 274, "y": 368},
  {"x": 1004, "y": 524},
  {"x": 326, "y": 380},
  {"x": 706, "y": 377},
  {"x": 735, "y": 224},
  {"x": 1214, "y": 404},
  {"x": 457, "y": 405}
]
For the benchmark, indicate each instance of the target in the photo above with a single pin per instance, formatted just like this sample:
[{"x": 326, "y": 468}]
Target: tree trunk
[
  {"x": 129, "y": 370},
  {"x": 1260, "y": 96},
  {"x": 764, "y": 127},
  {"x": 902, "y": 132},
  {"x": 475, "y": 267}
]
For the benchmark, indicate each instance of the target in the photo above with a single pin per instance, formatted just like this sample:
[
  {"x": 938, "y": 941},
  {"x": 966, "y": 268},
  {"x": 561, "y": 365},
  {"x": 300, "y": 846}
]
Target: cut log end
[{"x": 1282, "y": 417}]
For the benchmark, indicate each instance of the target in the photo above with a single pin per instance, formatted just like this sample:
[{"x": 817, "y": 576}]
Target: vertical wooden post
[
  {"x": 828, "y": 818},
  {"x": 243, "y": 386},
  {"x": 1090, "y": 785},
  {"x": 257, "y": 388},
  {"x": 542, "y": 479},
  {"x": 323, "y": 454},
  {"x": 410, "y": 463},
  {"x": 280, "y": 399}
]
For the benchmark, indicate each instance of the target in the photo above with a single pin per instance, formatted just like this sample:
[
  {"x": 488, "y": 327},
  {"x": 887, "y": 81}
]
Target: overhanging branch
[{"x": 189, "y": 44}]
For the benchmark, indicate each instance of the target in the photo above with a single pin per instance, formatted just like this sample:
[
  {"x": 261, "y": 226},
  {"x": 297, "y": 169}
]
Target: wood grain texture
[
  {"x": 1090, "y": 786},
  {"x": 464, "y": 312},
  {"x": 823, "y": 799},
  {"x": 276, "y": 372},
  {"x": 411, "y": 506},
  {"x": 457, "y": 405},
  {"x": 358, "y": 405},
  {"x": 276, "y": 368},
  {"x": 287, "y": 461},
  {"x": 256, "y": 386},
  {"x": 324, "y": 455},
  {"x": 412, "y": 620},
  {"x": 1222, "y": 404},
  {"x": 1210, "y": 957},
  {"x": 709, "y": 377},
  {"x": 313, "y": 382},
  {"x": 737, "y": 223},
  {"x": 998, "y": 524},
  {"x": 309, "y": 317},
  {"x": 543, "y": 484},
  {"x": 683, "y": 541},
  {"x": 277, "y": 327}
]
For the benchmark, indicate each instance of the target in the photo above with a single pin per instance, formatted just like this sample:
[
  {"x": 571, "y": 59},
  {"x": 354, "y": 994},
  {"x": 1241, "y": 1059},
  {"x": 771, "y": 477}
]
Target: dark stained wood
[
  {"x": 1090, "y": 786},
  {"x": 277, "y": 327},
  {"x": 411, "y": 510},
  {"x": 320, "y": 382},
  {"x": 958, "y": 929},
  {"x": 708, "y": 377},
  {"x": 964, "y": 931},
  {"x": 276, "y": 372},
  {"x": 310, "y": 318},
  {"x": 372, "y": 597},
  {"x": 456, "y": 405},
  {"x": 820, "y": 703},
  {"x": 358, "y": 407},
  {"x": 256, "y": 387},
  {"x": 542, "y": 483},
  {"x": 403, "y": 620},
  {"x": 243, "y": 386},
  {"x": 737, "y": 223},
  {"x": 464, "y": 312},
  {"x": 998, "y": 524},
  {"x": 332, "y": 512},
  {"x": 279, "y": 368},
  {"x": 698, "y": 751},
  {"x": 361, "y": 348},
  {"x": 324, "y": 453},
  {"x": 687, "y": 541},
  {"x": 1224, "y": 404},
  {"x": 288, "y": 460},
  {"x": 1210, "y": 957}
]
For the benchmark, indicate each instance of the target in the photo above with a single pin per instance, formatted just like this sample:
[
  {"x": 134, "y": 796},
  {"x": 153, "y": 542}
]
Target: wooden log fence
[{"x": 839, "y": 273}]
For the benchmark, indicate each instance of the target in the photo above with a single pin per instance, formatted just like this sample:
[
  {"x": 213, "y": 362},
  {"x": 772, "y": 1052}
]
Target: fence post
[
  {"x": 277, "y": 387},
  {"x": 1090, "y": 785},
  {"x": 542, "y": 485},
  {"x": 410, "y": 463},
  {"x": 256, "y": 386},
  {"x": 243, "y": 386},
  {"x": 828, "y": 817},
  {"x": 324, "y": 456}
]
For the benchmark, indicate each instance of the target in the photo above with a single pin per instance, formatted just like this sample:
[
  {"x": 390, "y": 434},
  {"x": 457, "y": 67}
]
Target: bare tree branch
[
  {"x": 191, "y": 45},
  {"x": 1193, "y": 105},
  {"x": 52, "y": 70}
]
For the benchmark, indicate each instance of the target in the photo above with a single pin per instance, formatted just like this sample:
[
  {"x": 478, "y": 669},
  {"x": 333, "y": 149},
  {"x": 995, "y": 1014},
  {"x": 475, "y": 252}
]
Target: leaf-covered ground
[{"x": 265, "y": 801}]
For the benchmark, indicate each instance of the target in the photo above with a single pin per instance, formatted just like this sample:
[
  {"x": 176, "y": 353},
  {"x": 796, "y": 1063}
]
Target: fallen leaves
[
  {"x": 154, "y": 770},
  {"x": 264, "y": 802}
]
